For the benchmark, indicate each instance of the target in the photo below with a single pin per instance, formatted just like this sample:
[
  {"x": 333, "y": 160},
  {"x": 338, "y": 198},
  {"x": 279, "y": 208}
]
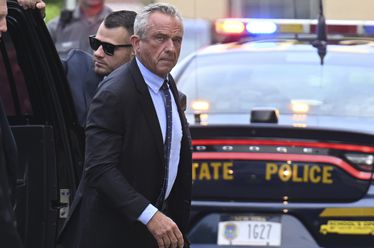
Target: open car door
[{"x": 35, "y": 95}]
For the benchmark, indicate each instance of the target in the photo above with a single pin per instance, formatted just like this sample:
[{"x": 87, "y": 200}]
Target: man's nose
[
  {"x": 170, "y": 46},
  {"x": 99, "y": 52}
]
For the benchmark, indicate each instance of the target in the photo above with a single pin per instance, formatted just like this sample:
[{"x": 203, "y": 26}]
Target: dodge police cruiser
[{"x": 283, "y": 134}]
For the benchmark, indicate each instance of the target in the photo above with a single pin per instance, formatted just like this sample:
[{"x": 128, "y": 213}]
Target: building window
[{"x": 285, "y": 9}]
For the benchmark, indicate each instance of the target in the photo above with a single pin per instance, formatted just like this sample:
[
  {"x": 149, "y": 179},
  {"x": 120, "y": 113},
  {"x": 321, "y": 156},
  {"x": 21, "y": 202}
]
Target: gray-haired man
[{"x": 138, "y": 150}]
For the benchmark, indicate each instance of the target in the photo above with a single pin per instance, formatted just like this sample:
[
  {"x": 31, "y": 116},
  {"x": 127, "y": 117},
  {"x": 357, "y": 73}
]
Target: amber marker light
[
  {"x": 299, "y": 107},
  {"x": 200, "y": 106}
]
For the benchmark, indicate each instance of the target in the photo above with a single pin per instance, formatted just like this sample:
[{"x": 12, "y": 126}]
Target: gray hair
[{"x": 141, "y": 20}]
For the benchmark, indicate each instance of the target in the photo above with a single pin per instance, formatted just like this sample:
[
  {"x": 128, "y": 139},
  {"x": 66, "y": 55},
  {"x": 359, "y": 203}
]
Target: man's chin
[
  {"x": 163, "y": 71},
  {"x": 166, "y": 66},
  {"x": 101, "y": 71}
]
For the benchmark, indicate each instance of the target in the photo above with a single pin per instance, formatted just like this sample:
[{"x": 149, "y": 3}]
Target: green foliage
[
  {"x": 53, "y": 9},
  {"x": 54, "y": 1}
]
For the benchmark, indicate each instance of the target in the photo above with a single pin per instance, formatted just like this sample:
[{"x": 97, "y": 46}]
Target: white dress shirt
[{"x": 154, "y": 83}]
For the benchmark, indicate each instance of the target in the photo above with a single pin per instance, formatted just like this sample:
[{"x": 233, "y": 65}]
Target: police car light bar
[{"x": 250, "y": 26}]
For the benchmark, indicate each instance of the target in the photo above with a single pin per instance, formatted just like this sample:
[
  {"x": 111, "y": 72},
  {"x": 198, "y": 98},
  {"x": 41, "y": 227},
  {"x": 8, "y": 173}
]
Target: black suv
[{"x": 39, "y": 106}]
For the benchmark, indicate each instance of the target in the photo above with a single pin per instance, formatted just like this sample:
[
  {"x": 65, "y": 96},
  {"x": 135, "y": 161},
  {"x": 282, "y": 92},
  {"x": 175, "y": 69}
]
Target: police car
[{"x": 283, "y": 135}]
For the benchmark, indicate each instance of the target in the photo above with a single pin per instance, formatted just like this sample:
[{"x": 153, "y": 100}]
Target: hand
[
  {"x": 33, "y": 4},
  {"x": 165, "y": 231}
]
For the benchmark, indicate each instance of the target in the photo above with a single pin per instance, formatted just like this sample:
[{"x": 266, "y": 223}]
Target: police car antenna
[{"x": 321, "y": 42}]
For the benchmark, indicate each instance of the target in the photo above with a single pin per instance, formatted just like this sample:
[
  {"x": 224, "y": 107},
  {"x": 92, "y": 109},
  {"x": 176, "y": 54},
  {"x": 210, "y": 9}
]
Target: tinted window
[{"x": 13, "y": 90}]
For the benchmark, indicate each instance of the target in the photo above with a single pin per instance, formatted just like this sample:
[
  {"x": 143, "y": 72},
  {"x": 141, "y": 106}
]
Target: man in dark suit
[
  {"x": 138, "y": 149},
  {"x": 112, "y": 48}
]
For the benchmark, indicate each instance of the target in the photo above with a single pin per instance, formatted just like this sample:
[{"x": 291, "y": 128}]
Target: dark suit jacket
[
  {"x": 8, "y": 160},
  {"x": 83, "y": 81},
  {"x": 124, "y": 166}
]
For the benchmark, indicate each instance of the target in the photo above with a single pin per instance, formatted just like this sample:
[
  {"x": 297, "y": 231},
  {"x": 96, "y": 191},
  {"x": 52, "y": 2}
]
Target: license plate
[{"x": 247, "y": 233}]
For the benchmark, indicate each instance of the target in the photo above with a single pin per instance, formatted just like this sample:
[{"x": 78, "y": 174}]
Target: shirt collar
[{"x": 153, "y": 81}]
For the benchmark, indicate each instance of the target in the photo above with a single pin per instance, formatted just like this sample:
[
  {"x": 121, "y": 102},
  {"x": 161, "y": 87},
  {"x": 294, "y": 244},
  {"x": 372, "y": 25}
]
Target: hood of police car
[{"x": 363, "y": 124}]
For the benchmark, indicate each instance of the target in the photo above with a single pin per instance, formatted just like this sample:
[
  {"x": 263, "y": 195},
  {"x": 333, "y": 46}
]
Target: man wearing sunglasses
[
  {"x": 112, "y": 48},
  {"x": 111, "y": 44}
]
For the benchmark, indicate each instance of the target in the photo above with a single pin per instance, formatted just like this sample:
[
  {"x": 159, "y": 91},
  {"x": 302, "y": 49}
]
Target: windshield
[{"x": 237, "y": 83}]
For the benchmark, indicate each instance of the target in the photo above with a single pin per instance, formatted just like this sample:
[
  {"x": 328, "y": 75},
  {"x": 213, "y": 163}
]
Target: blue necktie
[{"x": 167, "y": 143}]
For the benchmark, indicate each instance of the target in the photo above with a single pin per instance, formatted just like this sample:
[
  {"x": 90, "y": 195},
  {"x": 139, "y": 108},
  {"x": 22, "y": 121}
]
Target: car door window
[{"x": 13, "y": 89}]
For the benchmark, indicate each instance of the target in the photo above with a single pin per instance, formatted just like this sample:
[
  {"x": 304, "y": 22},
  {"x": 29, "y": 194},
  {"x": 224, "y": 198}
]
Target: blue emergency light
[
  {"x": 261, "y": 27},
  {"x": 369, "y": 29}
]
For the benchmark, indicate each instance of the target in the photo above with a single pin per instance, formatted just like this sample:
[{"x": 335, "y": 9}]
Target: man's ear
[{"x": 135, "y": 40}]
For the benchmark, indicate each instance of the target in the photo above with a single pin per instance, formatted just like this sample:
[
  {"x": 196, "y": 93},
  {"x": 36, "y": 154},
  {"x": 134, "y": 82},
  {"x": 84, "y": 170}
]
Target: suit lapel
[
  {"x": 177, "y": 101},
  {"x": 186, "y": 140},
  {"x": 175, "y": 94},
  {"x": 91, "y": 84},
  {"x": 148, "y": 108}
]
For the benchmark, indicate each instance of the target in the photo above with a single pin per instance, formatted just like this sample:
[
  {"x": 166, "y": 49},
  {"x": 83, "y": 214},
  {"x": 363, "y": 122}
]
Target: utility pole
[{"x": 70, "y": 4}]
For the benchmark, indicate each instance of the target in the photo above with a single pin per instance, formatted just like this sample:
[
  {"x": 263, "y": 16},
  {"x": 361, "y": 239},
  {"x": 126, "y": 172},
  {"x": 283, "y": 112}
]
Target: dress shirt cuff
[{"x": 147, "y": 214}]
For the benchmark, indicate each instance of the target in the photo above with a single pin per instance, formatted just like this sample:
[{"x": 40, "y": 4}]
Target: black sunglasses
[{"x": 107, "y": 47}]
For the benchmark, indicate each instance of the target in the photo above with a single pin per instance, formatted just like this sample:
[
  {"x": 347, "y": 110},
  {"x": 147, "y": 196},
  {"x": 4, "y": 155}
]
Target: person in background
[
  {"x": 9, "y": 236},
  {"x": 112, "y": 48},
  {"x": 71, "y": 29},
  {"x": 138, "y": 147}
]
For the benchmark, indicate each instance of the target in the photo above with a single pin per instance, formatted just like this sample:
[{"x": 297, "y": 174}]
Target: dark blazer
[
  {"x": 9, "y": 236},
  {"x": 124, "y": 166},
  {"x": 83, "y": 81}
]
